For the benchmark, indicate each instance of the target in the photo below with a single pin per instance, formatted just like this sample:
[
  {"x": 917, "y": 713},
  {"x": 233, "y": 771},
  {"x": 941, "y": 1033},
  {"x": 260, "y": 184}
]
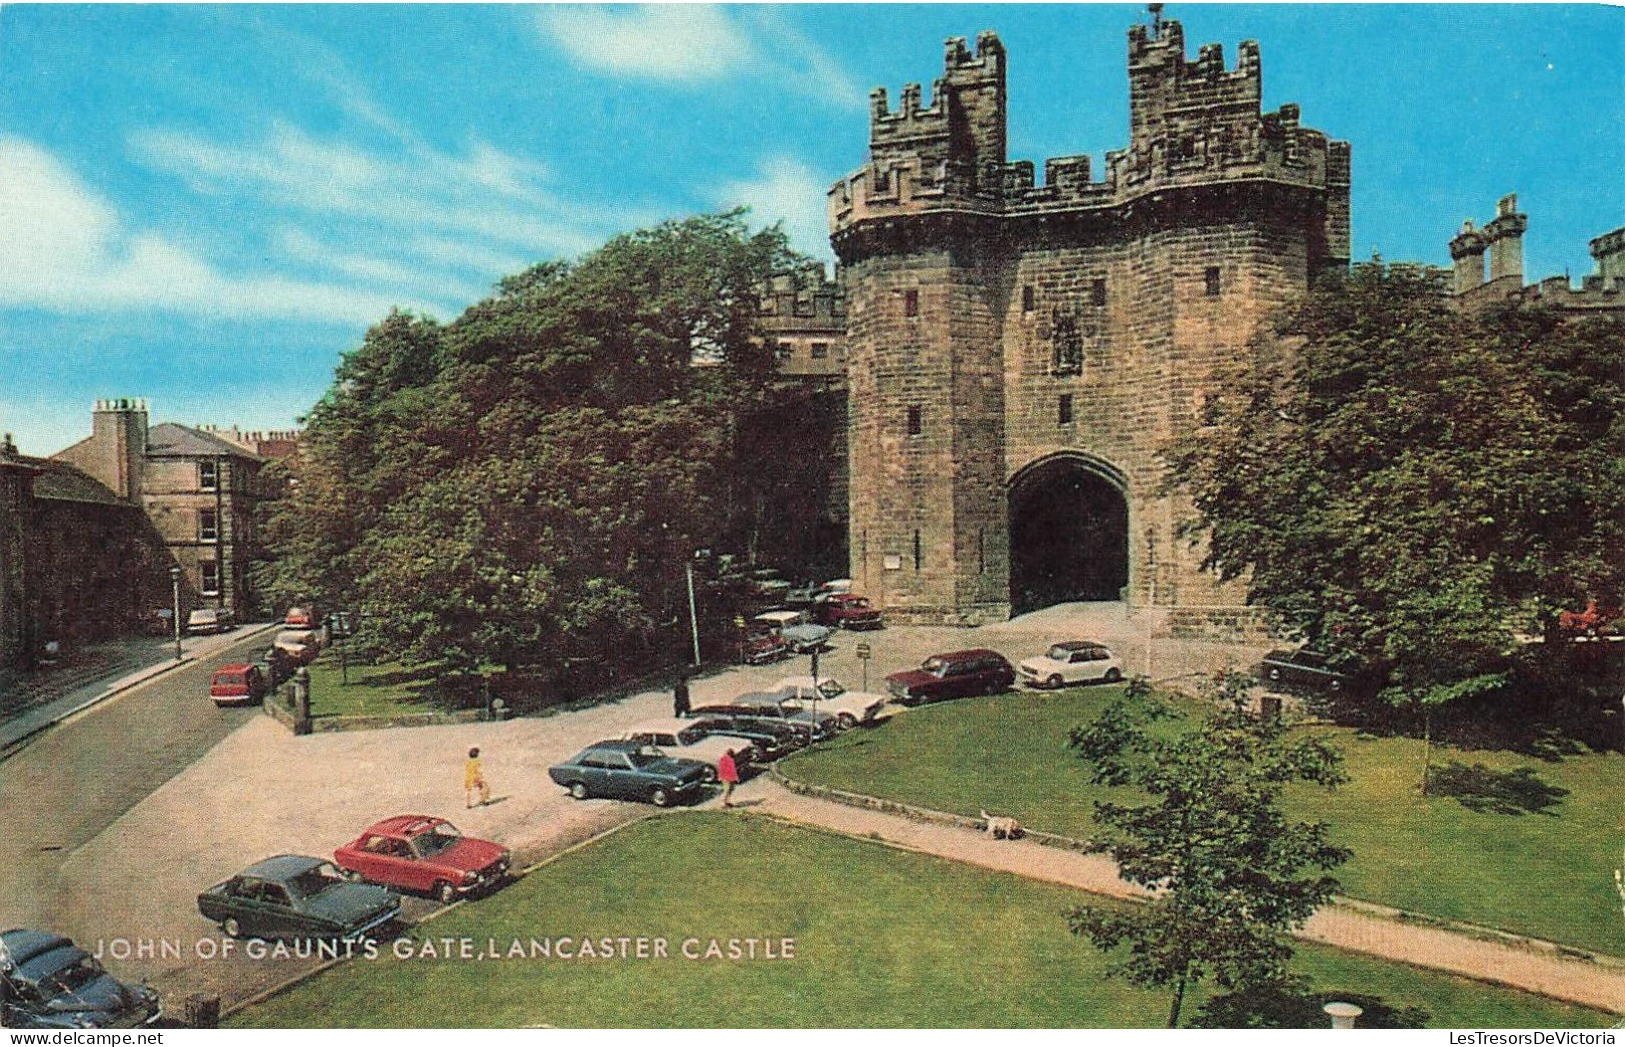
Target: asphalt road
[{"x": 68, "y": 784}]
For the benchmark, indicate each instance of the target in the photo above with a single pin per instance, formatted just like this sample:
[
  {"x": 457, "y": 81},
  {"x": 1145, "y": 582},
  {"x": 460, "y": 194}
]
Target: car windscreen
[
  {"x": 314, "y": 881},
  {"x": 1058, "y": 653},
  {"x": 62, "y": 970},
  {"x": 645, "y": 757},
  {"x": 934, "y": 666},
  {"x": 431, "y": 842}
]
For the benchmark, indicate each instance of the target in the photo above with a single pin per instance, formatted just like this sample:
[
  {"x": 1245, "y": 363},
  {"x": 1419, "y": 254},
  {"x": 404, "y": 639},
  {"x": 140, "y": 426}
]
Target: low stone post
[
  {"x": 1343, "y": 1014},
  {"x": 301, "y": 701},
  {"x": 203, "y": 1011}
]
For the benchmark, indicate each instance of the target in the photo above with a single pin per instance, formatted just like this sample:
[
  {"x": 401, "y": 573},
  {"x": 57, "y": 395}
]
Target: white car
[
  {"x": 849, "y": 708},
  {"x": 796, "y": 628},
  {"x": 691, "y": 741},
  {"x": 1076, "y": 661}
]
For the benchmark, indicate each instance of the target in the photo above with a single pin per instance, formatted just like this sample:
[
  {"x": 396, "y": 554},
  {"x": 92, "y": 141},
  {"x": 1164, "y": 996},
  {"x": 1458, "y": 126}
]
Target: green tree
[
  {"x": 524, "y": 484},
  {"x": 1231, "y": 874},
  {"x": 1407, "y": 485}
]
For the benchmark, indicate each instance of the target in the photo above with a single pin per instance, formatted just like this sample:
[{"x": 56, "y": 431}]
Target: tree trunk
[
  {"x": 1179, "y": 1001},
  {"x": 1427, "y": 747}
]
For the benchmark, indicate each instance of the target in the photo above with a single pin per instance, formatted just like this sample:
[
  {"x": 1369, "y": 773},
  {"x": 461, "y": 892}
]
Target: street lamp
[
  {"x": 175, "y": 582},
  {"x": 693, "y": 616}
]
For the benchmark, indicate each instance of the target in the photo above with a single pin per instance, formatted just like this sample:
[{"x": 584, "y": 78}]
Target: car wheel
[
  {"x": 578, "y": 790},
  {"x": 660, "y": 797},
  {"x": 1113, "y": 675},
  {"x": 1054, "y": 682},
  {"x": 445, "y": 892},
  {"x": 846, "y": 721},
  {"x": 1275, "y": 674},
  {"x": 231, "y": 927},
  {"x": 1337, "y": 685}
]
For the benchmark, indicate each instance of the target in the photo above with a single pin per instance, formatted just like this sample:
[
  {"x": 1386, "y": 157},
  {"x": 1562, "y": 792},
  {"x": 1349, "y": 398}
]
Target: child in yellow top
[{"x": 474, "y": 779}]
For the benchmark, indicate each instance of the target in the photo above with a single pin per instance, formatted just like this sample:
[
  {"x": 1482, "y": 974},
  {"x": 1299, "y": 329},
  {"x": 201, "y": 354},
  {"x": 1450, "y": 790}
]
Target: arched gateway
[
  {"x": 1006, "y": 339},
  {"x": 1068, "y": 532}
]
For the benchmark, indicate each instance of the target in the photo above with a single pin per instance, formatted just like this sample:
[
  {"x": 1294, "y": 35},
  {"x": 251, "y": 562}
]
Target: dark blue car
[
  {"x": 47, "y": 982},
  {"x": 630, "y": 771}
]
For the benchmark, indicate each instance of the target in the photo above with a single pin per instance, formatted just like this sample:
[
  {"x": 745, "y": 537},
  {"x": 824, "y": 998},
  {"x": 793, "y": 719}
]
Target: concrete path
[{"x": 1531, "y": 969}]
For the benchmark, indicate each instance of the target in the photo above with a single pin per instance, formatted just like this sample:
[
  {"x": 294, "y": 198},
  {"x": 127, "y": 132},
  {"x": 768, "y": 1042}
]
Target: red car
[
  {"x": 238, "y": 683},
  {"x": 300, "y": 618},
  {"x": 414, "y": 852},
  {"x": 847, "y": 611}
]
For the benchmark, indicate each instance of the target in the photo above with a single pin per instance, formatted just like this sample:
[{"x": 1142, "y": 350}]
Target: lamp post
[
  {"x": 693, "y": 617},
  {"x": 175, "y": 584}
]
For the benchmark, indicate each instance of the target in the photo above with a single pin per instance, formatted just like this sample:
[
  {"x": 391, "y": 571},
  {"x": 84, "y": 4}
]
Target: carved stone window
[{"x": 1067, "y": 342}]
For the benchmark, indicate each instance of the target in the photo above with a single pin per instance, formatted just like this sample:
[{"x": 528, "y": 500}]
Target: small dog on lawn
[{"x": 1002, "y": 827}]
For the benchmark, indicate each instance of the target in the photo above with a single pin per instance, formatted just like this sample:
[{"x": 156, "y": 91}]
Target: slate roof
[
  {"x": 171, "y": 440},
  {"x": 61, "y": 482}
]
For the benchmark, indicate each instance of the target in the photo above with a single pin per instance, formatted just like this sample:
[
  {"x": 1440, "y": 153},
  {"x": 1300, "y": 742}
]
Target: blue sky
[{"x": 205, "y": 205}]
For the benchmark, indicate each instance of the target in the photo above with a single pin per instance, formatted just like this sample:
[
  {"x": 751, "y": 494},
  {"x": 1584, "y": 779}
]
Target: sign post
[{"x": 864, "y": 654}]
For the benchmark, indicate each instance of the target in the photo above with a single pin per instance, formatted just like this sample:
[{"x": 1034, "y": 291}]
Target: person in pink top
[{"x": 728, "y": 773}]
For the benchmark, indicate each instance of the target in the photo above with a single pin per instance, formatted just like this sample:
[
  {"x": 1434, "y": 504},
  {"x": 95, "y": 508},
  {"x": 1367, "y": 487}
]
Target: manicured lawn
[
  {"x": 882, "y": 938},
  {"x": 386, "y": 689},
  {"x": 1546, "y": 871}
]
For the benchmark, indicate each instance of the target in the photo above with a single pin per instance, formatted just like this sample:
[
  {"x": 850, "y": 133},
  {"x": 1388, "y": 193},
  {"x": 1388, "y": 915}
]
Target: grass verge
[
  {"x": 1522, "y": 844},
  {"x": 883, "y": 938}
]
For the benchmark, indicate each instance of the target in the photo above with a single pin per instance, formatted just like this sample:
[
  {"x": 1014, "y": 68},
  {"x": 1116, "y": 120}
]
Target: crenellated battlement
[
  {"x": 1192, "y": 123},
  {"x": 806, "y": 293}
]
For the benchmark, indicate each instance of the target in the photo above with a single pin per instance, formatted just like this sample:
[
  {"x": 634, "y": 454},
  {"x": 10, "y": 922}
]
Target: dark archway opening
[{"x": 1068, "y": 537}]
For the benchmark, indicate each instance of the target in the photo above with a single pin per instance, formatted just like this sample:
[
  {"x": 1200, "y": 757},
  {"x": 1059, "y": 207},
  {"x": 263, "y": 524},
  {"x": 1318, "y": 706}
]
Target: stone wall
[{"x": 975, "y": 305}]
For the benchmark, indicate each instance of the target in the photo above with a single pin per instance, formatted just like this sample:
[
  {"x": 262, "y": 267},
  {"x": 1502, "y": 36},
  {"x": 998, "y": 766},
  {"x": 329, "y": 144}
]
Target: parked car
[
  {"x": 762, "y": 644},
  {"x": 1302, "y": 668},
  {"x": 768, "y": 709},
  {"x": 769, "y": 740},
  {"x": 300, "y": 618},
  {"x": 47, "y": 982},
  {"x": 294, "y": 896},
  {"x": 426, "y": 855},
  {"x": 1075, "y": 661},
  {"x": 953, "y": 675},
  {"x": 768, "y": 584},
  {"x": 848, "y": 611},
  {"x": 630, "y": 771},
  {"x": 801, "y": 595},
  {"x": 795, "y": 628},
  {"x": 238, "y": 684},
  {"x": 300, "y": 645},
  {"x": 776, "y": 705},
  {"x": 849, "y": 708},
  {"x": 210, "y": 620},
  {"x": 690, "y": 740}
]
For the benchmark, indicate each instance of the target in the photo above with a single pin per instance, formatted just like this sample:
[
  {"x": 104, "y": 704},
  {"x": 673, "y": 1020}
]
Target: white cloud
[
  {"x": 483, "y": 194},
  {"x": 697, "y": 43},
  {"x": 63, "y": 247},
  {"x": 682, "y": 42},
  {"x": 786, "y": 190}
]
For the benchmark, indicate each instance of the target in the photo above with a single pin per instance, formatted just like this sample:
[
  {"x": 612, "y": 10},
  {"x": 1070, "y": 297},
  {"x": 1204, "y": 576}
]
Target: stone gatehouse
[{"x": 1018, "y": 352}]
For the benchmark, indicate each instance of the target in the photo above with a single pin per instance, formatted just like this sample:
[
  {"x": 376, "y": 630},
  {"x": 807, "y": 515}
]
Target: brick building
[
  {"x": 1017, "y": 353},
  {"x": 77, "y": 562},
  {"x": 195, "y": 488}
]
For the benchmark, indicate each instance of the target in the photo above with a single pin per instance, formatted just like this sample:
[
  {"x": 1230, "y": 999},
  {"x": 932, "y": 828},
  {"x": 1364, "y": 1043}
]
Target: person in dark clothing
[{"x": 679, "y": 696}]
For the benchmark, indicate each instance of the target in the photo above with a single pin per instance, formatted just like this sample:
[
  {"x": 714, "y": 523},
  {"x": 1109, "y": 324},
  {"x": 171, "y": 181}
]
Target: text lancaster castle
[{"x": 1017, "y": 353}]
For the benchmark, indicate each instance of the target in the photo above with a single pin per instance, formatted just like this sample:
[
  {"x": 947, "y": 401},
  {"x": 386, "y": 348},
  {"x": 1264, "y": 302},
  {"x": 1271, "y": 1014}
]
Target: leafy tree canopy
[
  {"x": 1408, "y": 484},
  {"x": 523, "y": 484},
  {"x": 1231, "y": 873}
]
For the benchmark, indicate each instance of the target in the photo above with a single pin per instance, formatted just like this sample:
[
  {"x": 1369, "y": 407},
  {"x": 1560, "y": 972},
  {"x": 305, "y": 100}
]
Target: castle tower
[
  {"x": 1467, "y": 251},
  {"x": 1019, "y": 354},
  {"x": 1505, "y": 237}
]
